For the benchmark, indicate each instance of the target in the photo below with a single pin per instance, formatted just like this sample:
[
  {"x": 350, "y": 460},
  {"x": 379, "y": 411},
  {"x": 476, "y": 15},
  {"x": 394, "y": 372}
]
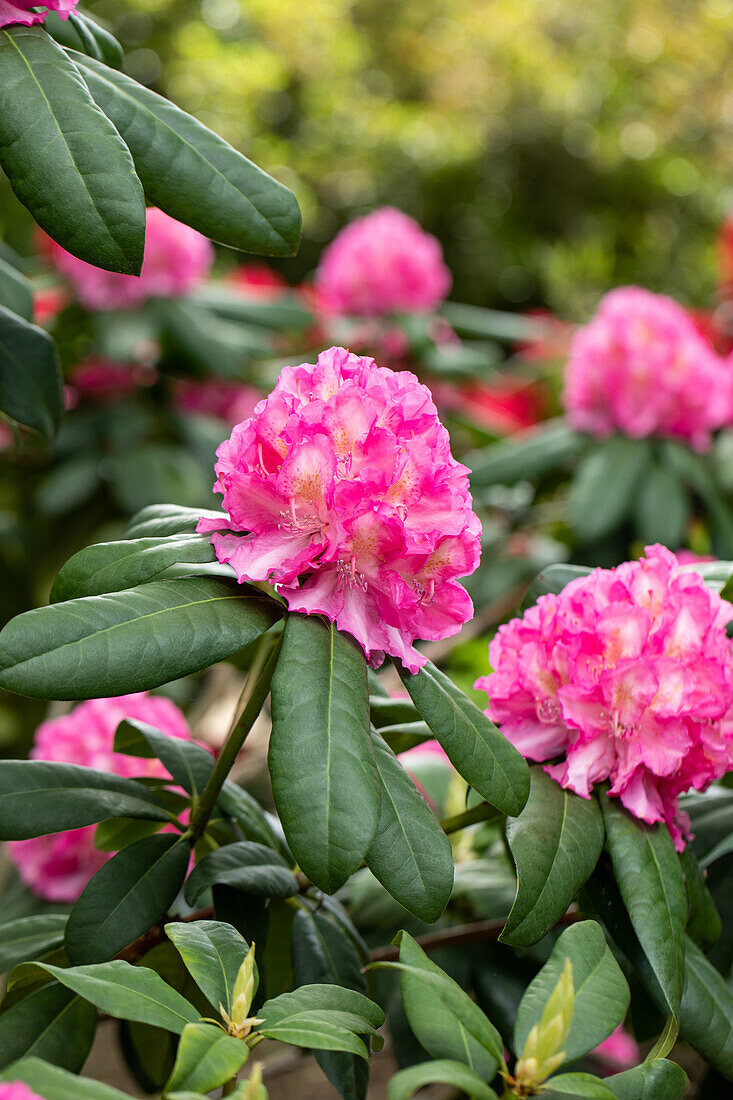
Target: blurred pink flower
[
  {"x": 642, "y": 368},
  {"x": 231, "y": 402},
  {"x": 177, "y": 259},
  {"x": 618, "y": 1052},
  {"x": 101, "y": 380},
  {"x": 258, "y": 281},
  {"x": 382, "y": 263},
  {"x": 342, "y": 491},
  {"x": 17, "y": 1090},
  {"x": 627, "y": 675},
  {"x": 58, "y": 866},
  {"x": 20, "y": 11}
]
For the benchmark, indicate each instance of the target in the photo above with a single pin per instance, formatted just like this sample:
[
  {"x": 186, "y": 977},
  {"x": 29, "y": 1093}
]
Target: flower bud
[
  {"x": 543, "y": 1052},
  {"x": 244, "y": 990}
]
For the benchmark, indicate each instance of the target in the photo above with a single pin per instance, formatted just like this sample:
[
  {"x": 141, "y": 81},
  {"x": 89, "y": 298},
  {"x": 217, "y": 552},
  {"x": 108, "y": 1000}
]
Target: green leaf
[
  {"x": 191, "y": 173},
  {"x": 555, "y": 843},
  {"x": 655, "y": 1080},
  {"x": 127, "y": 992},
  {"x": 158, "y": 520},
  {"x": 662, "y": 507},
  {"x": 601, "y": 992},
  {"x": 285, "y": 313},
  {"x": 324, "y": 780},
  {"x": 112, "y": 566},
  {"x": 578, "y": 1084},
  {"x": 64, "y": 158},
  {"x": 57, "y": 1084},
  {"x": 391, "y": 712},
  {"x": 444, "y": 1019},
  {"x": 213, "y": 953},
  {"x": 474, "y": 745},
  {"x": 126, "y": 897},
  {"x": 605, "y": 484},
  {"x": 477, "y": 322},
  {"x": 29, "y": 938},
  {"x": 128, "y": 641},
  {"x": 322, "y": 1017},
  {"x": 553, "y": 579},
  {"x": 445, "y": 1072},
  {"x": 188, "y": 763},
  {"x": 526, "y": 455},
  {"x": 16, "y": 293},
  {"x": 706, "y": 1011},
  {"x": 322, "y": 997},
  {"x": 117, "y": 833},
  {"x": 30, "y": 377},
  {"x": 206, "y": 1059},
  {"x": 97, "y": 41},
  {"x": 38, "y": 797},
  {"x": 410, "y": 854},
  {"x": 194, "y": 336},
  {"x": 50, "y": 1023},
  {"x": 249, "y": 815},
  {"x": 704, "y": 925},
  {"x": 652, "y": 886},
  {"x": 245, "y": 865},
  {"x": 316, "y": 1031}
]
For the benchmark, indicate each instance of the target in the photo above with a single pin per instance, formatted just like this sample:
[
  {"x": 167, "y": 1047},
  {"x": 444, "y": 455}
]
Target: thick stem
[
  {"x": 482, "y": 812},
  {"x": 249, "y": 705}
]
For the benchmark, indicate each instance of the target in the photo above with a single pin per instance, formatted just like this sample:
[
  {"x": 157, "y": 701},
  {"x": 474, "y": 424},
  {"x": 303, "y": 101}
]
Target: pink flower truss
[
  {"x": 17, "y": 1090},
  {"x": 382, "y": 263},
  {"x": 342, "y": 491},
  {"x": 642, "y": 368},
  {"x": 231, "y": 402},
  {"x": 626, "y": 675},
  {"x": 59, "y": 866},
  {"x": 19, "y": 11},
  {"x": 177, "y": 259}
]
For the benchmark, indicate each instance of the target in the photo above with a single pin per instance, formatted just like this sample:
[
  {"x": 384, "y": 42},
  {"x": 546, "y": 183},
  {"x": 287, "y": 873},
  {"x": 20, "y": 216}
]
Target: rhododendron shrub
[
  {"x": 641, "y": 367},
  {"x": 626, "y": 676},
  {"x": 177, "y": 259},
  {"x": 26, "y": 12},
  {"x": 341, "y": 491},
  {"x": 382, "y": 263},
  {"x": 57, "y": 867}
]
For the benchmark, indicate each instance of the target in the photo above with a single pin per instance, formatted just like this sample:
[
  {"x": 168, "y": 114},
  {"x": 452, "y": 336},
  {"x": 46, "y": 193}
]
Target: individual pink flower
[
  {"x": 382, "y": 263},
  {"x": 231, "y": 402},
  {"x": 620, "y": 1051},
  {"x": 17, "y": 1090},
  {"x": 58, "y": 866},
  {"x": 642, "y": 368},
  {"x": 342, "y": 491},
  {"x": 21, "y": 11},
  {"x": 177, "y": 259},
  {"x": 101, "y": 380},
  {"x": 626, "y": 676}
]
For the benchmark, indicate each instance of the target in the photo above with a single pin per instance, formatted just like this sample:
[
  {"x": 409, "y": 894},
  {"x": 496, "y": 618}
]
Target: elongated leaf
[
  {"x": 38, "y": 797},
  {"x": 385, "y": 711},
  {"x": 127, "y": 992},
  {"x": 652, "y": 886},
  {"x": 443, "y": 1017},
  {"x": 191, "y": 173},
  {"x": 409, "y": 1081},
  {"x": 474, "y": 745},
  {"x": 251, "y": 818},
  {"x": 247, "y": 866},
  {"x": 206, "y": 1059},
  {"x": 704, "y": 925},
  {"x": 30, "y": 376},
  {"x": 158, "y": 520},
  {"x": 655, "y": 1080},
  {"x": 527, "y": 455},
  {"x": 578, "y": 1084},
  {"x": 315, "y": 1031},
  {"x": 410, "y": 854},
  {"x": 29, "y": 938},
  {"x": 15, "y": 291},
  {"x": 601, "y": 992},
  {"x": 318, "y": 997},
  {"x": 555, "y": 843},
  {"x": 188, "y": 763},
  {"x": 605, "y": 484},
  {"x": 112, "y": 566},
  {"x": 322, "y": 1017},
  {"x": 213, "y": 952},
  {"x": 321, "y": 760},
  {"x": 662, "y": 507},
  {"x": 128, "y": 641},
  {"x": 553, "y": 579},
  {"x": 97, "y": 41},
  {"x": 64, "y": 158},
  {"x": 51, "y": 1023},
  {"x": 706, "y": 1011},
  {"x": 58, "y": 1084},
  {"x": 126, "y": 897}
]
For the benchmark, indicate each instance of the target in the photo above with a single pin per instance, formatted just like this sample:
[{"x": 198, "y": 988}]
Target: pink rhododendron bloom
[
  {"x": 342, "y": 491},
  {"x": 21, "y": 11},
  {"x": 177, "y": 259},
  {"x": 620, "y": 1051},
  {"x": 642, "y": 368},
  {"x": 59, "y": 866},
  {"x": 382, "y": 263},
  {"x": 231, "y": 402},
  {"x": 101, "y": 380},
  {"x": 17, "y": 1090},
  {"x": 626, "y": 676}
]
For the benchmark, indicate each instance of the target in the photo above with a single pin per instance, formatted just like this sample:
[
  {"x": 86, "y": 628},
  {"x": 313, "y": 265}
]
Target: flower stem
[
  {"x": 249, "y": 705},
  {"x": 482, "y": 812}
]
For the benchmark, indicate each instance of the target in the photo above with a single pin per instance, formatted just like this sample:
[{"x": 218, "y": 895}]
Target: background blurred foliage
[{"x": 556, "y": 148}]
